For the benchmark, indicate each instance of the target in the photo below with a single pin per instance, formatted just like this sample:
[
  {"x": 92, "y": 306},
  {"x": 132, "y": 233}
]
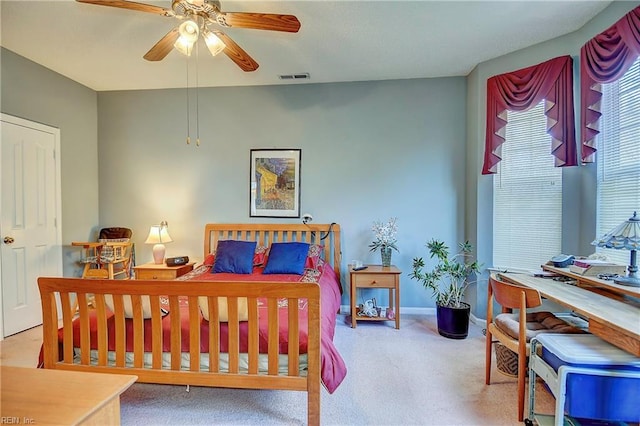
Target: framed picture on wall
[{"x": 274, "y": 189}]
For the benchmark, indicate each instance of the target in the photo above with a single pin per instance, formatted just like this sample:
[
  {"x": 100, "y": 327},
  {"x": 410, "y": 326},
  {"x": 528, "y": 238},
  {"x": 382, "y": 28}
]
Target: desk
[
  {"x": 55, "y": 397},
  {"x": 612, "y": 320}
]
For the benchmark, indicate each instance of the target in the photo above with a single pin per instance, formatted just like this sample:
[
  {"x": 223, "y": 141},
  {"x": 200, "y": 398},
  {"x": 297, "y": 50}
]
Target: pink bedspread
[{"x": 333, "y": 368}]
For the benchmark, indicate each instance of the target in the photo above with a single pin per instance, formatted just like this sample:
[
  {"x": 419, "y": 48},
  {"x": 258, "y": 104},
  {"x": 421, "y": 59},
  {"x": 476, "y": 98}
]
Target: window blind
[
  {"x": 618, "y": 156},
  {"x": 527, "y": 195}
]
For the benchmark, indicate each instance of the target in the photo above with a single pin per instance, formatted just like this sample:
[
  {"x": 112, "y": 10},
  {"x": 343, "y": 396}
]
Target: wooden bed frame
[
  {"x": 327, "y": 235},
  {"x": 57, "y": 297}
]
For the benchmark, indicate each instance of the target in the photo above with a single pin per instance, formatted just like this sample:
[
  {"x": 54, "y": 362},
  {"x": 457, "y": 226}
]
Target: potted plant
[
  {"x": 385, "y": 234},
  {"x": 448, "y": 281}
]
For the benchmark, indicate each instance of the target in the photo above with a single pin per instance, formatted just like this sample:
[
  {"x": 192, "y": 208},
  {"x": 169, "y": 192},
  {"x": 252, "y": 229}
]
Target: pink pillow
[
  {"x": 209, "y": 260},
  {"x": 260, "y": 256},
  {"x": 314, "y": 257}
]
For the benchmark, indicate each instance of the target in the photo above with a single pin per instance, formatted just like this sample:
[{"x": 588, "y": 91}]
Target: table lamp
[
  {"x": 625, "y": 236},
  {"x": 158, "y": 235}
]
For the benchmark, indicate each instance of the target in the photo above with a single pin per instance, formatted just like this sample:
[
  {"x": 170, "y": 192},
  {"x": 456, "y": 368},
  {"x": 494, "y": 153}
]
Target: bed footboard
[{"x": 141, "y": 315}]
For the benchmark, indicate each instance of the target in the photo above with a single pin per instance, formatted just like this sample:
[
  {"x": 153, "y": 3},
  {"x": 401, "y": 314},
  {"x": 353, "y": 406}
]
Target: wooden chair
[
  {"x": 110, "y": 257},
  {"x": 516, "y": 330}
]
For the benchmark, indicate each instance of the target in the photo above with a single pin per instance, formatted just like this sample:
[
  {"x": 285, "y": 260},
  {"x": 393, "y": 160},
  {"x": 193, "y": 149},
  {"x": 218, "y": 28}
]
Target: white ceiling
[{"x": 356, "y": 40}]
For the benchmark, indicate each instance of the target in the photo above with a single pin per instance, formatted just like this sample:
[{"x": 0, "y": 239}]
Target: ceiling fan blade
[
  {"x": 163, "y": 47},
  {"x": 236, "y": 53},
  {"x": 260, "y": 21},
  {"x": 141, "y": 7}
]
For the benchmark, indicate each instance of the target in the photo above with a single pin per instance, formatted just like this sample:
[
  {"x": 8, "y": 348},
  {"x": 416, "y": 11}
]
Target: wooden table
[
  {"x": 55, "y": 397},
  {"x": 160, "y": 271},
  {"x": 375, "y": 276},
  {"x": 613, "y": 320}
]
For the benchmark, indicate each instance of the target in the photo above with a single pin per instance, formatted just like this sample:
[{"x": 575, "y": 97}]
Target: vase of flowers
[
  {"x": 385, "y": 254},
  {"x": 385, "y": 239}
]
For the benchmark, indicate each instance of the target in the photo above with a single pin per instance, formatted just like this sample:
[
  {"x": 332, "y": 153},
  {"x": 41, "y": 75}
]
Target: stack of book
[{"x": 594, "y": 267}]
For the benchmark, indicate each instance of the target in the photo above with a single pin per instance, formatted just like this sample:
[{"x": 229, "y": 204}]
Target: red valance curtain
[
  {"x": 604, "y": 59},
  {"x": 523, "y": 89}
]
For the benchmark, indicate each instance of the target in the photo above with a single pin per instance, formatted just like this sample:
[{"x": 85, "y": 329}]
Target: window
[
  {"x": 618, "y": 156},
  {"x": 527, "y": 195}
]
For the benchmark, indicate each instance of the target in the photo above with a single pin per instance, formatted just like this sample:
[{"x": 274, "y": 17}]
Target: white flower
[{"x": 385, "y": 234}]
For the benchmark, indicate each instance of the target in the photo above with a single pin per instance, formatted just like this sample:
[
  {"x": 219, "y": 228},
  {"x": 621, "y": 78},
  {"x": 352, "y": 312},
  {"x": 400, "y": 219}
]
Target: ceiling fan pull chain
[
  {"x": 188, "y": 117},
  {"x": 197, "y": 96}
]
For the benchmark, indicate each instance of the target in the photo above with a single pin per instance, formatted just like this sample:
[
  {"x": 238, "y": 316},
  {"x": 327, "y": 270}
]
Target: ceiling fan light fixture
[
  {"x": 214, "y": 44},
  {"x": 189, "y": 31},
  {"x": 195, "y": 16},
  {"x": 183, "y": 46}
]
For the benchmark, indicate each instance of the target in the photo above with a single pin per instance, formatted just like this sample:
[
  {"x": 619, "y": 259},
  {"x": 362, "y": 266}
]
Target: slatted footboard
[{"x": 155, "y": 365}]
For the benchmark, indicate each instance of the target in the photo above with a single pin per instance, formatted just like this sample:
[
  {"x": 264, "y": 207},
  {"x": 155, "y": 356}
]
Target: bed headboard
[{"x": 327, "y": 235}]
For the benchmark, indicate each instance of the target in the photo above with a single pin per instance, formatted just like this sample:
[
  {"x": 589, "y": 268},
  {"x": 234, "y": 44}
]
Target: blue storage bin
[{"x": 601, "y": 397}]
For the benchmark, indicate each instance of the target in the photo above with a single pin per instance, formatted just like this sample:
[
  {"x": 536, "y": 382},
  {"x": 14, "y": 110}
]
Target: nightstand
[
  {"x": 160, "y": 271},
  {"x": 375, "y": 276}
]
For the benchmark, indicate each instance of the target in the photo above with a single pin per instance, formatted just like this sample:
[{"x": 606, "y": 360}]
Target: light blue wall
[
  {"x": 408, "y": 148},
  {"x": 33, "y": 92},
  {"x": 579, "y": 214},
  {"x": 369, "y": 151}
]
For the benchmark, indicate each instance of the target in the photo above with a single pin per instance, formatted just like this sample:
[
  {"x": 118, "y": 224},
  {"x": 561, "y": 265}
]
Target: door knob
[{"x": 8, "y": 240}]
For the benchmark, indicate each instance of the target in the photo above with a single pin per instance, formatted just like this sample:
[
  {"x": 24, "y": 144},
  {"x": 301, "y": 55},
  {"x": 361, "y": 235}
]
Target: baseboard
[
  {"x": 478, "y": 321},
  {"x": 344, "y": 310}
]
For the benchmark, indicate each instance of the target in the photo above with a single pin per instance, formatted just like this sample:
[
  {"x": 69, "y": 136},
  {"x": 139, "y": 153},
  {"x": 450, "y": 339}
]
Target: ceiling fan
[{"x": 199, "y": 18}]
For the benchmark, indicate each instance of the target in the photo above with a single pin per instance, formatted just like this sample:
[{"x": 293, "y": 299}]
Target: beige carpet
[{"x": 410, "y": 376}]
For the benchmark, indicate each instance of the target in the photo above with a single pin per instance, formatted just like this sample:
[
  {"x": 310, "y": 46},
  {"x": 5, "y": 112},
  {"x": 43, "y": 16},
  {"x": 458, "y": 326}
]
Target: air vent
[{"x": 301, "y": 76}]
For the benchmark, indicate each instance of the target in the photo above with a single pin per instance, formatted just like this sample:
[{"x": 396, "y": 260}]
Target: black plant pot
[{"x": 453, "y": 322}]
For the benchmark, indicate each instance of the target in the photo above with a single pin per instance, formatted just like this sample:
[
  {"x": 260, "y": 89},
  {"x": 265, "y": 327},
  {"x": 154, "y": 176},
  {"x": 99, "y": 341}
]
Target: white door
[{"x": 29, "y": 225}]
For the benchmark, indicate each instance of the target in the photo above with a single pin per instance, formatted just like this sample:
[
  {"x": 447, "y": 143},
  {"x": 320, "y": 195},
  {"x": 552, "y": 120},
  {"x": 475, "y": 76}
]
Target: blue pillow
[
  {"x": 234, "y": 256},
  {"x": 287, "y": 258}
]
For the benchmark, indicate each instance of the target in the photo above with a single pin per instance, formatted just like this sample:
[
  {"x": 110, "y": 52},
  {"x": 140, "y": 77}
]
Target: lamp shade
[
  {"x": 213, "y": 42},
  {"x": 189, "y": 32},
  {"x": 158, "y": 235},
  {"x": 624, "y": 236}
]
